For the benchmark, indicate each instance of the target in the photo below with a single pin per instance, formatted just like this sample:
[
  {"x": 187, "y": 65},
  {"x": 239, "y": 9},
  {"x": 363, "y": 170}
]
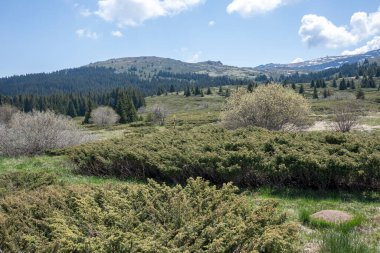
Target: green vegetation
[
  {"x": 247, "y": 157},
  {"x": 144, "y": 218},
  {"x": 103, "y": 201}
]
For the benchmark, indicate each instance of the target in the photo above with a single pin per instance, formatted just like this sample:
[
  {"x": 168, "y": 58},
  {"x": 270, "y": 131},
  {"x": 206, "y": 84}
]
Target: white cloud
[
  {"x": 373, "y": 44},
  {"x": 318, "y": 30},
  {"x": 85, "y": 13},
  {"x": 135, "y": 12},
  {"x": 117, "y": 34},
  {"x": 211, "y": 23},
  {"x": 297, "y": 60},
  {"x": 83, "y": 33},
  {"x": 195, "y": 57},
  {"x": 247, "y": 8}
]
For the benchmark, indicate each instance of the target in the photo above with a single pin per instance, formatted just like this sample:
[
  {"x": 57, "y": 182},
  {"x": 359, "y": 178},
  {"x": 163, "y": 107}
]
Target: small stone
[{"x": 333, "y": 216}]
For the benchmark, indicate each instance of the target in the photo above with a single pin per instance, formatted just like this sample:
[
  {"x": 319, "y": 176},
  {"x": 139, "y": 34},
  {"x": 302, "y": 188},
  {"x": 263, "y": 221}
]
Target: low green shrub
[
  {"x": 25, "y": 180},
  {"x": 142, "y": 218},
  {"x": 247, "y": 157}
]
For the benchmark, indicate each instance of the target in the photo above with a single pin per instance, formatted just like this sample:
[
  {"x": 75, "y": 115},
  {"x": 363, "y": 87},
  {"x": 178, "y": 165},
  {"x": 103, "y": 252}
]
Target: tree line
[{"x": 125, "y": 101}]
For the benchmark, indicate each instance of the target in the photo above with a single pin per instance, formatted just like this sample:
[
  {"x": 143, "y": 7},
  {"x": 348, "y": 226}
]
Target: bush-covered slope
[
  {"x": 142, "y": 218},
  {"x": 247, "y": 157}
]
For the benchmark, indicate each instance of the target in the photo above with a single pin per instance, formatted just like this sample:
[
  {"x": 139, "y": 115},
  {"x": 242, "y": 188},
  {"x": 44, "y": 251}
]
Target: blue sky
[{"x": 48, "y": 35}]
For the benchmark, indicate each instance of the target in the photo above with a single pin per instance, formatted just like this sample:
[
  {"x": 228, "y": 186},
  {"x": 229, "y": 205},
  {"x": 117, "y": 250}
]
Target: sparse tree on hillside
[
  {"x": 87, "y": 116},
  {"x": 272, "y": 107},
  {"x": 342, "y": 85},
  {"x": 104, "y": 115},
  {"x": 209, "y": 92}
]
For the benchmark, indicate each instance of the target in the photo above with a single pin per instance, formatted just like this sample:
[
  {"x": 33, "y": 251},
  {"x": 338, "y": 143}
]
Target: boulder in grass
[{"x": 333, "y": 216}]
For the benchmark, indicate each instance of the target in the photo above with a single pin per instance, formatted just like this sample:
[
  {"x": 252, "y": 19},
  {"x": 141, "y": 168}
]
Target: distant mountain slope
[
  {"x": 146, "y": 66},
  {"x": 320, "y": 63}
]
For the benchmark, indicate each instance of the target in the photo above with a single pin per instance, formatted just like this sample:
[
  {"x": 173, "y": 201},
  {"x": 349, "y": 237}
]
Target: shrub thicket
[
  {"x": 247, "y": 157},
  {"x": 142, "y": 218},
  {"x": 34, "y": 133}
]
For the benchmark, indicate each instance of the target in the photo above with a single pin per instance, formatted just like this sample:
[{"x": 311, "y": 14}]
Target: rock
[{"x": 333, "y": 216}]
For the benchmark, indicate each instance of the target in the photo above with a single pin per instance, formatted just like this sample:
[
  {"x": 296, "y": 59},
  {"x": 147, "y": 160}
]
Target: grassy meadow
[{"x": 104, "y": 194}]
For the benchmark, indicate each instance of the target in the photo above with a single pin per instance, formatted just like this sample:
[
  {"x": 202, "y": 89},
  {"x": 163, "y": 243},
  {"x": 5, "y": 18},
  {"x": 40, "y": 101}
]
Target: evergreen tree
[
  {"x": 315, "y": 93},
  {"x": 250, "y": 87},
  {"x": 352, "y": 84},
  {"x": 131, "y": 113},
  {"x": 71, "y": 110},
  {"x": 312, "y": 84},
  {"x": 87, "y": 116},
  {"x": 122, "y": 108},
  {"x": 209, "y": 92},
  {"x": 301, "y": 90},
  {"x": 342, "y": 85},
  {"x": 172, "y": 89},
  {"x": 228, "y": 93},
  {"x": 294, "y": 86},
  {"x": 187, "y": 92},
  {"x": 325, "y": 93},
  {"x": 360, "y": 93},
  {"x": 220, "y": 90},
  {"x": 334, "y": 85}
]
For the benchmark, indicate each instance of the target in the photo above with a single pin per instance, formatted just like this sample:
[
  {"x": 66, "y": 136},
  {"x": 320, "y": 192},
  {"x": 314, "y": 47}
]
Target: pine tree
[
  {"x": 325, "y": 93},
  {"x": 301, "y": 90},
  {"x": 352, "y": 84},
  {"x": 187, "y": 92},
  {"x": 71, "y": 110},
  {"x": 250, "y": 87},
  {"x": 87, "y": 116},
  {"x": 294, "y": 86},
  {"x": 209, "y": 92},
  {"x": 220, "y": 90},
  {"x": 315, "y": 93},
  {"x": 122, "y": 109},
  {"x": 228, "y": 93},
  {"x": 342, "y": 85},
  {"x": 334, "y": 85},
  {"x": 131, "y": 112},
  {"x": 312, "y": 84},
  {"x": 172, "y": 89},
  {"x": 360, "y": 93}
]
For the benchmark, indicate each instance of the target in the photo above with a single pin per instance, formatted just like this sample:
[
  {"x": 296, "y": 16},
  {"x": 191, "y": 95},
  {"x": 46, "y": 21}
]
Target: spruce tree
[
  {"x": 209, "y": 92},
  {"x": 250, "y": 87},
  {"x": 294, "y": 86},
  {"x": 131, "y": 111},
  {"x": 87, "y": 116},
  {"x": 360, "y": 93},
  {"x": 122, "y": 109},
  {"x": 301, "y": 90},
  {"x": 352, "y": 84},
  {"x": 315, "y": 93},
  {"x": 71, "y": 110},
  {"x": 342, "y": 85},
  {"x": 312, "y": 84},
  {"x": 334, "y": 85}
]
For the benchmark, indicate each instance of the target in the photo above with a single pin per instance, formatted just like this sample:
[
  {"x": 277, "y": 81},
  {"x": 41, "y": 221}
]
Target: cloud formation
[
  {"x": 135, "y": 12},
  {"x": 83, "y": 33},
  {"x": 117, "y": 34},
  {"x": 373, "y": 44},
  {"x": 319, "y": 31},
  {"x": 247, "y": 8},
  {"x": 211, "y": 23}
]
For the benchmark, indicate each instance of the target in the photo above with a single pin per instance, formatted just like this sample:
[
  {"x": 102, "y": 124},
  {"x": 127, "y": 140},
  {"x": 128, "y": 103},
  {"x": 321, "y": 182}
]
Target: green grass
[
  {"x": 55, "y": 165},
  {"x": 301, "y": 204}
]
